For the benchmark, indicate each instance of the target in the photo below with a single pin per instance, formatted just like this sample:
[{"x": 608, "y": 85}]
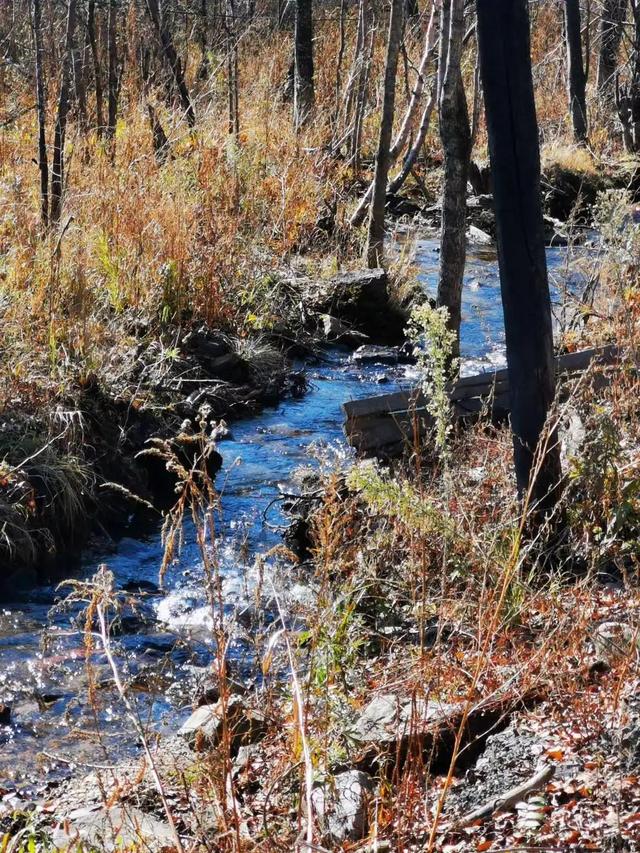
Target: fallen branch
[{"x": 509, "y": 798}]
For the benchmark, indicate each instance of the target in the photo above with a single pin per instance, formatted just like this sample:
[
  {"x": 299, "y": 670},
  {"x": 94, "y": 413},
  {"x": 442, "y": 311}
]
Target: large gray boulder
[
  {"x": 116, "y": 828},
  {"x": 341, "y": 806},
  {"x": 389, "y": 718}
]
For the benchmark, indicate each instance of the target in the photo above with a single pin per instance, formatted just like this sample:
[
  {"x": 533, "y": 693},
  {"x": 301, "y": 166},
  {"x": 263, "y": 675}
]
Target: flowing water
[{"x": 164, "y": 646}]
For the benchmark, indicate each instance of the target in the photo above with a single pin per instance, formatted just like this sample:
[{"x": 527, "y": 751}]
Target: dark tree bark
[
  {"x": 172, "y": 58},
  {"x": 627, "y": 96},
  {"x": 303, "y": 90},
  {"x": 43, "y": 159},
  {"x": 203, "y": 71},
  {"x": 112, "y": 78},
  {"x": 97, "y": 70},
  {"x": 79, "y": 81},
  {"x": 375, "y": 243},
  {"x": 456, "y": 143},
  {"x": 412, "y": 10},
  {"x": 505, "y": 65},
  {"x": 160, "y": 141},
  {"x": 232, "y": 71},
  {"x": 576, "y": 80},
  {"x": 613, "y": 15},
  {"x": 57, "y": 166}
]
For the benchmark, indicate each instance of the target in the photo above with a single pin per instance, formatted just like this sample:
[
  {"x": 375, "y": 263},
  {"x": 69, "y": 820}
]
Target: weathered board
[{"x": 387, "y": 422}]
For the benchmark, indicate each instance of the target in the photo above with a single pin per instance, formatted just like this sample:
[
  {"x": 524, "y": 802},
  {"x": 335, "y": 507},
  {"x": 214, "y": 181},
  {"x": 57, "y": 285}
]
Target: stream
[{"x": 164, "y": 649}]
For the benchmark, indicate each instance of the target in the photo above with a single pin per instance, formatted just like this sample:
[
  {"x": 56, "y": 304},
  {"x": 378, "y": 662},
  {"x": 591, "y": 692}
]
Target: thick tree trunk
[
  {"x": 613, "y": 15},
  {"x": 172, "y": 58},
  {"x": 505, "y": 64},
  {"x": 57, "y": 168},
  {"x": 576, "y": 81},
  {"x": 303, "y": 90},
  {"x": 97, "y": 71},
  {"x": 456, "y": 143},
  {"x": 43, "y": 160},
  {"x": 375, "y": 244}
]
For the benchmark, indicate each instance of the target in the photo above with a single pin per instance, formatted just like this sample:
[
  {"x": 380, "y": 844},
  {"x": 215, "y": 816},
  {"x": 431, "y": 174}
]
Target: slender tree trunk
[
  {"x": 611, "y": 25},
  {"x": 57, "y": 170},
  {"x": 375, "y": 245},
  {"x": 79, "y": 81},
  {"x": 456, "y": 143},
  {"x": 97, "y": 71},
  {"x": 627, "y": 96},
  {"x": 232, "y": 72},
  {"x": 576, "y": 80},
  {"x": 203, "y": 71},
  {"x": 339, "y": 60},
  {"x": 41, "y": 98},
  {"x": 173, "y": 61},
  {"x": 413, "y": 153},
  {"x": 358, "y": 62},
  {"x": 408, "y": 121},
  {"x": 505, "y": 64},
  {"x": 112, "y": 79},
  {"x": 303, "y": 90},
  {"x": 362, "y": 87}
]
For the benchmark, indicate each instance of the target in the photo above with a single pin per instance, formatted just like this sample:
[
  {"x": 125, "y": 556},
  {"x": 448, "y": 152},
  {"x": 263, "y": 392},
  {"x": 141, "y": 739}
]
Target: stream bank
[
  {"x": 81, "y": 465},
  {"x": 164, "y": 635}
]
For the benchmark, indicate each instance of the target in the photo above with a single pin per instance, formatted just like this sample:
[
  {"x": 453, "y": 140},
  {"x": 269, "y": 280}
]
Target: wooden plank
[{"x": 387, "y": 421}]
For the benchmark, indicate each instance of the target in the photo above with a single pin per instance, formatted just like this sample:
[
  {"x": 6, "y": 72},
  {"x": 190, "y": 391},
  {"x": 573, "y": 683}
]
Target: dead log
[
  {"x": 509, "y": 798},
  {"x": 389, "y": 422}
]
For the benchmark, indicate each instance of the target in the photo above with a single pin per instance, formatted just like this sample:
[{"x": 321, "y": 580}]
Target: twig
[{"x": 509, "y": 798}]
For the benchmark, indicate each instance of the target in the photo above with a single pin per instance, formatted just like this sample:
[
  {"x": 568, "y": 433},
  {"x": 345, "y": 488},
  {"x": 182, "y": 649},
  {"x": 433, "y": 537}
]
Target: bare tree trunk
[
  {"x": 79, "y": 81},
  {"x": 414, "y": 151},
  {"x": 339, "y": 60},
  {"x": 375, "y": 245},
  {"x": 43, "y": 160},
  {"x": 173, "y": 61},
  {"x": 505, "y": 62},
  {"x": 160, "y": 141},
  {"x": 576, "y": 80},
  {"x": 358, "y": 61},
  {"x": 628, "y": 96},
  {"x": 112, "y": 62},
  {"x": 97, "y": 71},
  {"x": 613, "y": 16},
  {"x": 303, "y": 90},
  {"x": 203, "y": 71},
  {"x": 408, "y": 121},
  {"x": 362, "y": 89},
  {"x": 57, "y": 170},
  {"x": 232, "y": 72},
  {"x": 456, "y": 143}
]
